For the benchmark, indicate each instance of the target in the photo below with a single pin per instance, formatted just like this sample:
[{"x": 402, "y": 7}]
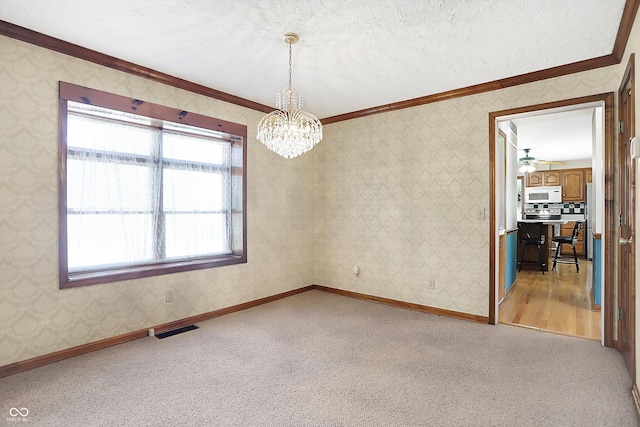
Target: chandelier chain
[{"x": 290, "y": 62}]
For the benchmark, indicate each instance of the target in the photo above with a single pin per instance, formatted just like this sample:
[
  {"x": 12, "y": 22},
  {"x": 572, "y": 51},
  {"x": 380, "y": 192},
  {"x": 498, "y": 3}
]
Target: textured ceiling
[{"x": 352, "y": 55}]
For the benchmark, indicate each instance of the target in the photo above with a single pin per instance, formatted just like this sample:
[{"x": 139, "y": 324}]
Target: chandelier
[{"x": 289, "y": 131}]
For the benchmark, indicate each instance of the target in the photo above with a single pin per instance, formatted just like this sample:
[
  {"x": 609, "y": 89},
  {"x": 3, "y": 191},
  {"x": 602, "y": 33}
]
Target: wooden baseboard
[
  {"x": 227, "y": 310},
  {"x": 636, "y": 397},
  {"x": 508, "y": 294},
  {"x": 38, "y": 361},
  {"x": 46, "y": 359},
  {"x": 594, "y": 306},
  {"x": 57, "y": 356},
  {"x": 403, "y": 304}
]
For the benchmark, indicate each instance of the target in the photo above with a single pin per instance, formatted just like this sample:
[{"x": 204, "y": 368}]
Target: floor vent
[{"x": 176, "y": 331}]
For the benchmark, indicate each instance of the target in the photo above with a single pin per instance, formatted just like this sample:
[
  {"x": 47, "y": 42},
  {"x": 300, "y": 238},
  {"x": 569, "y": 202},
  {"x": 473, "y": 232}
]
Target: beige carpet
[{"x": 318, "y": 359}]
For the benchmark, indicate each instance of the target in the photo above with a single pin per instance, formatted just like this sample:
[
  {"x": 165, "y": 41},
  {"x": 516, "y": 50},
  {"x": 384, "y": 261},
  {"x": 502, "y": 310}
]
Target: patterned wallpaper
[
  {"x": 36, "y": 317},
  {"x": 397, "y": 195},
  {"x": 394, "y": 193}
]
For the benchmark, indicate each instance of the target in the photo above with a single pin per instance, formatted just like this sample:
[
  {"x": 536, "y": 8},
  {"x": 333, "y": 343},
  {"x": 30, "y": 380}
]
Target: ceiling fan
[{"x": 529, "y": 163}]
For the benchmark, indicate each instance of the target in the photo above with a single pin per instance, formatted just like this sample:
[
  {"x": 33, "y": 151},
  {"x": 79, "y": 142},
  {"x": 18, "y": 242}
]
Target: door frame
[
  {"x": 609, "y": 214},
  {"x": 629, "y": 309}
]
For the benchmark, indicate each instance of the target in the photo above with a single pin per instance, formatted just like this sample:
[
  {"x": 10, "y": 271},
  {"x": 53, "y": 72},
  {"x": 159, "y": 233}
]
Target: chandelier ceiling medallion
[{"x": 289, "y": 131}]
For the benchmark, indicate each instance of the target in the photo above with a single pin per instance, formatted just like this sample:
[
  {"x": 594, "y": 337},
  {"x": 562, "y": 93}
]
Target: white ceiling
[
  {"x": 352, "y": 55},
  {"x": 559, "y": 136}
]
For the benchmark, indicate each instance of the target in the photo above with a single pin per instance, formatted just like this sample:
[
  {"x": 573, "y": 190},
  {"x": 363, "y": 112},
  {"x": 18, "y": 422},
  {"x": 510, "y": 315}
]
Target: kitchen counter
[
  {"x": 530, "y": 254},
  {"x": 573, "y": 217},
  {"x": 545, "y": 221}
]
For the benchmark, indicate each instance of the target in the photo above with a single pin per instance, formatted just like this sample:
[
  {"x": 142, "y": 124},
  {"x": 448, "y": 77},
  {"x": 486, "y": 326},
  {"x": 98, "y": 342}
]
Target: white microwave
[{"x": 549, "y": 194}]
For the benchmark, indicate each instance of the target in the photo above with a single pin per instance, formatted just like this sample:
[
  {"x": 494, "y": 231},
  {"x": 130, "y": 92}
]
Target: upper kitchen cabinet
[
  {"x": 551, "y": 178},
  {"x": 543, "y": 178},
  {"x": 588, "y": 175},
  {"x": 534, "y": 179},
  {"x": 573, "y": 181}
]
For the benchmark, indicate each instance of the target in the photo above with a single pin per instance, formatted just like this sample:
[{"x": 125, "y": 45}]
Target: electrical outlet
[
  {"x": 480, "y": 213},
  {"x": 356, "y": 270},
  {"x": 431, "y": 284},
  {"x": 168, "y": 295}
]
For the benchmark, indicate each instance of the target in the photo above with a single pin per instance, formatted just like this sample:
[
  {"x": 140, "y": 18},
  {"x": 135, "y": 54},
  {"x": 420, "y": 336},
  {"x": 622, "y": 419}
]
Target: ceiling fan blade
[{"x": 552, "y": 162}]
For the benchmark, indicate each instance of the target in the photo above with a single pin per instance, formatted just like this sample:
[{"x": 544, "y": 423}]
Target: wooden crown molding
[
  {"x": 52, "y": 43},
  {"x": 624, "y": 30},
  {"x": 42, "y": 40},
  {"x": 576, "y": 67},
  {"x": 626, "y": 23}
]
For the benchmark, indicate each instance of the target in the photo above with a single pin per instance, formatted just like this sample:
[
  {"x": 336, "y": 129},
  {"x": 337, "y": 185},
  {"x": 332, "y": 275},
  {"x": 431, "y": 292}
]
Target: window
[{"x": 146, "y": 189}]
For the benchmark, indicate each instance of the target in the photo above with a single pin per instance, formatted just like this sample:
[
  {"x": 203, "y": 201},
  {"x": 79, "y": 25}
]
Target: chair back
[
  {"x": 576, "y": 231},
  {"x": 531, "y": 231}
]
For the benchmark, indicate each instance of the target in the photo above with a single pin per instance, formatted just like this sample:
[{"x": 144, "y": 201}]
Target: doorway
[{"x": 605, "y": 102}]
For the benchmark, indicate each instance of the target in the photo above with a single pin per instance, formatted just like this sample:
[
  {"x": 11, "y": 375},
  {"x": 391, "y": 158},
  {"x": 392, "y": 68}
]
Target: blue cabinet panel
[
  {"x": 596, "y": 282},
  {"x": 512, "y": 249}
]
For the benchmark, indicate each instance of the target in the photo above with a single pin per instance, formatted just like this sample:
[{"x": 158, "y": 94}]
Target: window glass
[{"x": 144, "y": 195}]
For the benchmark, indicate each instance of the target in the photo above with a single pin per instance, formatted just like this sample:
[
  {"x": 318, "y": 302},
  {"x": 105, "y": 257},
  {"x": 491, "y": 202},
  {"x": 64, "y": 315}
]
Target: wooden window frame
[{"x": 71, "y": 92}]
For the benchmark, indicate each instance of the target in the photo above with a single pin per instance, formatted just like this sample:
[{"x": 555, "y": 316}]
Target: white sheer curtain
[
  {"x": 196, "y": 196},
  {"x": 139, "y": 194}
]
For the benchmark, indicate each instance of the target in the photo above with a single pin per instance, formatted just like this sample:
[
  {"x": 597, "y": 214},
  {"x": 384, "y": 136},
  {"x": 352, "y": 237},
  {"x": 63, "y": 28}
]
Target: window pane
[
  {"x": 145, "y": 193},
  {"x": 196, "y": 234},
  {"x": 100, "y": 186},
  {"x": 193, "y": 191},
  {"x": 108, "y": 239},
  {"x": 194, "y": 149},
  {"x": 88, "y": 132}
]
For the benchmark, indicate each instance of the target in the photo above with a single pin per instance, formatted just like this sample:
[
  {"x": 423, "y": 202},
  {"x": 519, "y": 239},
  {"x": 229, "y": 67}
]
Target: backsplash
[{"x": 565, "y": 208}]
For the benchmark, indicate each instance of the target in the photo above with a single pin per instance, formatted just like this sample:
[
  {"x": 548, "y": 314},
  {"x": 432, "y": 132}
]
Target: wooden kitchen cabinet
[
  {"x": 552, "y": 177},
  {"x": 534, "y": 179},
  {"x": 541, "y": 178},
  {"x": 572, "y": 181},
  {"x": 573, "y": 185},
  {"x": 567, "y": 230}
]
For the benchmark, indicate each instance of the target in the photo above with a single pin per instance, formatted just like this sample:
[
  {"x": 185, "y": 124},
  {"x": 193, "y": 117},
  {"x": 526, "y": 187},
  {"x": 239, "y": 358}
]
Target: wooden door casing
[{"x": 626, "y": 190}]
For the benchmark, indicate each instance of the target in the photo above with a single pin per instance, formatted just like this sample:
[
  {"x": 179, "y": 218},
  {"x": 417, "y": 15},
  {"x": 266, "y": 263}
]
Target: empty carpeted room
[{"x": 182, "y": 246}]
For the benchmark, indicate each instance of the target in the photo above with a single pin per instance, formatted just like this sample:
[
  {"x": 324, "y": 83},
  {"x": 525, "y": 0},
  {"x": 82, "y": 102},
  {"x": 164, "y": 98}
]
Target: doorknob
[{"x": 624, "y": 241}]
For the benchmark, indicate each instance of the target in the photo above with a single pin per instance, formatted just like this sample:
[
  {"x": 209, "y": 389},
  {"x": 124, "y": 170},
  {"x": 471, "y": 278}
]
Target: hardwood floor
[{"x": 557, "y": 301}]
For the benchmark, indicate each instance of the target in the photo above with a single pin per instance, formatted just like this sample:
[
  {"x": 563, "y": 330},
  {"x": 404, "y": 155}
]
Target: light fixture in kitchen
[
  {"x": 528, "y": 162},
  {"x": 527, "y": 168}
]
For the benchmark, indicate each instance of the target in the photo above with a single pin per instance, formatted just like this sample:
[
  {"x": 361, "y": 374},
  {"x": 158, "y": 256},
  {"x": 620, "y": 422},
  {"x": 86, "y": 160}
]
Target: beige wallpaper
[
  {"x": 36, "y": 317},
  {"x": 397, "y": 195},
  {"x": 394, "y": 193}
]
